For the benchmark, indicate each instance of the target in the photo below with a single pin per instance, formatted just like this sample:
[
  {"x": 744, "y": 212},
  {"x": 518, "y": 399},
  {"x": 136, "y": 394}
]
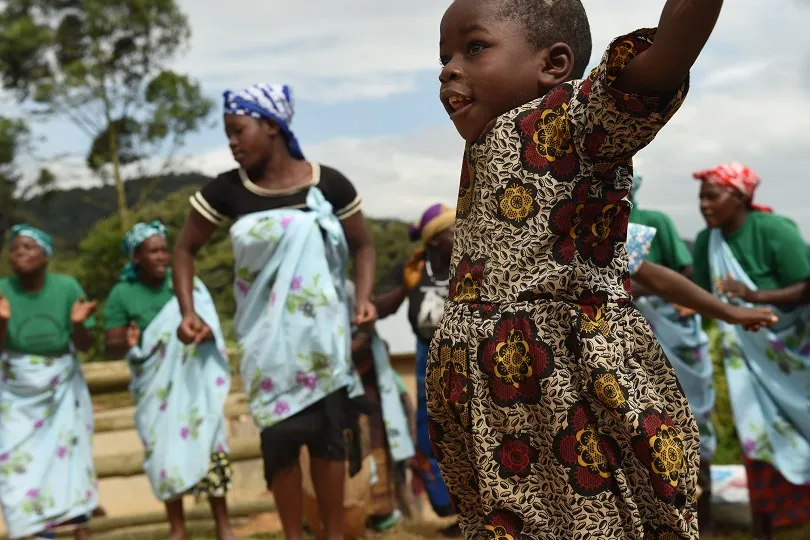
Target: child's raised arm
[
  {"x": 683, "y": 30},
  {"x": 674, "y": 288}
]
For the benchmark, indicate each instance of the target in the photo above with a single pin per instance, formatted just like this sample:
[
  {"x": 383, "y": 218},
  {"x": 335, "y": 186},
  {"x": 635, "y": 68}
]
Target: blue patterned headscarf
[
  {"x": 42, "y": 238},
  {"x": 136, "y": 236},
  {"x": 269, "y": 101}
]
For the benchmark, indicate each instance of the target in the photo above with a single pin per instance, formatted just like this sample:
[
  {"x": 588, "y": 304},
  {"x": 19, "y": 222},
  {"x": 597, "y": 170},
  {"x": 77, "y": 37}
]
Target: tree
[
  {"x": 103, "y": 65},
  {"x": 13, "y": 134},
  {"x": 14, "y": 138}
]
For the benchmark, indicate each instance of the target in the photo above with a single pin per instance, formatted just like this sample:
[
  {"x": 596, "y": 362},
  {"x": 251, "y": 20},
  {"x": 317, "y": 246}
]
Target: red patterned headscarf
[{"x": 735, "y": 176}]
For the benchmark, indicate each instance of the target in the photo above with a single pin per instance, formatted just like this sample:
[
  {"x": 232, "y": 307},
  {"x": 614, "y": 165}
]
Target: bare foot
[
  {"x": 226, "y": 533},
  {"x": 177, "y": 535}
]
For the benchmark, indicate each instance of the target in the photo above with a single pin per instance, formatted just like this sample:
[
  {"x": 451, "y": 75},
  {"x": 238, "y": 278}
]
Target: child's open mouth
[{"x": 458, "y": 104}]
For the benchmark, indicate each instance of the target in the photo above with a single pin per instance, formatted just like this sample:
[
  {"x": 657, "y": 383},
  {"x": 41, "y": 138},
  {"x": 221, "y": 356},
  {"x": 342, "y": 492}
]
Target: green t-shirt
[
  {"x": 667, "y": 248},
  {"x": 769, "y": 248},
  {"x": 134, "y": 301},
  {"x": 40, "y": 322}
]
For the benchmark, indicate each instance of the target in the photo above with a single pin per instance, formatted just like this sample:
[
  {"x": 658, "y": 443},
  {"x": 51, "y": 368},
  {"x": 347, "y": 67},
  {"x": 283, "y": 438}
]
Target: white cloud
[
  {"x": 364, "y": 44},
  {"x": 748, "y": 102}
]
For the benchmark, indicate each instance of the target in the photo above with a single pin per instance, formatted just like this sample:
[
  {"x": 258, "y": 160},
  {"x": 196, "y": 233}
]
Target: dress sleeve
[
  {"x": 608, "y": 126},
  {"x": 789, "y": 254},
  {"x": 341, "y": 193},
  {"x": 115, "y": 313},
  {"x": 213, "y": 201},
  {"x": 701, "y": 273},
  {"x": 639, "y": 240}
]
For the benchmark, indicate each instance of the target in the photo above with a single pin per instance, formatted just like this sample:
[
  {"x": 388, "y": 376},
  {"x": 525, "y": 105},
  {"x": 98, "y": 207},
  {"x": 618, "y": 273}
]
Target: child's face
[{"x": 490, "y": 67}]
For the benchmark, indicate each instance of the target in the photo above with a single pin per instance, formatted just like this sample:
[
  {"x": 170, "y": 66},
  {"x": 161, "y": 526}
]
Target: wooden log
[
  {"x": 114, "y": 375},
  {"x": 195, "y": 514},
  {"x": 404, "y": 362},
  {"x": 104, "y": 377},
  {"x": 124, "y": 418},
  {"x": 131, "y": 464}
]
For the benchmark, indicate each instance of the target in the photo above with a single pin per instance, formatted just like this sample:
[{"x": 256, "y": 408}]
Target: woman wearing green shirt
[
  {"x": 748, "y": 255},
  {"x": 179, "y": 389},
  {"x": 47, "y": 479},
  {"x": 680, "y": 332}
]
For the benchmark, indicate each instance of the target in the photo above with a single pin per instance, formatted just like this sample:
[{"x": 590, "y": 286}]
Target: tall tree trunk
[{"x": 120, "y": 192}]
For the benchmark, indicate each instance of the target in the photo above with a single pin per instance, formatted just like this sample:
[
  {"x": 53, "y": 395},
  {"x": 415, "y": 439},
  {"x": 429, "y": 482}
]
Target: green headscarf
[
  {"x": 136, "y": 236},
  {"x": 42, "y": 238}
]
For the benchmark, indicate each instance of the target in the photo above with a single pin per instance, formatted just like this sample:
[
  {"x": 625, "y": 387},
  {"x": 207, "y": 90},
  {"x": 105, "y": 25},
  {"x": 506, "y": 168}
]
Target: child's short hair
[{"x": 547, "y": 22}]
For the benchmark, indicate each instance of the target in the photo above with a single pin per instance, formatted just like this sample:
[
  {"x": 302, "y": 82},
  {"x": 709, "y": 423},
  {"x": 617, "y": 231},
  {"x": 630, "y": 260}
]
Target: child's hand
[
  {"x": 752, "y": 319},
  {"x": 133, "y": 335},
  {"x": 412, "y": 273}
]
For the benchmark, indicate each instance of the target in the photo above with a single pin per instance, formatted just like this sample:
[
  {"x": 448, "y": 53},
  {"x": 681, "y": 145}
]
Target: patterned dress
[{"x": 554, "y": 412}]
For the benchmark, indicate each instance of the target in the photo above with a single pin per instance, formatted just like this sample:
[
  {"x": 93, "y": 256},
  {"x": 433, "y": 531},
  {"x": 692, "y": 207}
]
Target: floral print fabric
[
  {"x": 46, "y": 454},
  {"x": 768, "y": 374},
  {"x": 554, "y": 412},
  {"x": 292, "y": 311},
  {"x": 639, "y": 240},
  {"x": 180, "y": 393}
]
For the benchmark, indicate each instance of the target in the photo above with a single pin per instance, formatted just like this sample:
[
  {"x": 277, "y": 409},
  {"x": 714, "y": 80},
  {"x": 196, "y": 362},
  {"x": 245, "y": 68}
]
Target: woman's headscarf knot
[
  {"x": 736, "y": 176},
  {"x": 267, "y": 101}
]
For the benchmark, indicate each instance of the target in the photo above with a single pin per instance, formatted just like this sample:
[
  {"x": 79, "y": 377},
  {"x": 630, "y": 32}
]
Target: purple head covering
[{"x": 430, "y": 223}]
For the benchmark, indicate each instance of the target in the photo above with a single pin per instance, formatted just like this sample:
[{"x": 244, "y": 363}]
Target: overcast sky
[{"x": 365, "y": 76}]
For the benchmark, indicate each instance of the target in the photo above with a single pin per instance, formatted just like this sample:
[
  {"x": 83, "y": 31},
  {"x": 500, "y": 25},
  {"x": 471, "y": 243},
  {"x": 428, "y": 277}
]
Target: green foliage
[
  {"x": 392, "y": 245},
  {"x": 12, "y": 136},
  {"x": 728, "y": 446},
  {"x": 101, "y": 258},
  {"x": 70, "y": 214},
  {"x": 103, "y": 64},
  {"x": 15, "y": 138}
]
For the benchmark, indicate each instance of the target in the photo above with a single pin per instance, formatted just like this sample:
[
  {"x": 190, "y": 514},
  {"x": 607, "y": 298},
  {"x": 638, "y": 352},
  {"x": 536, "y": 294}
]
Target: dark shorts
[{"x": 321, "y": 427}]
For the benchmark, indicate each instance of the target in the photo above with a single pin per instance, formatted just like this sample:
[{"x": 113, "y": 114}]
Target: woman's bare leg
[
  {"x": 81, "y": 533},
  {"x": 177, "y": 521},
  {"x": 219, "y": 509},
  {"x": 328, "y": 478},
  {"x": 287, "y": 494},
  {"x": 761, "y": 526}
]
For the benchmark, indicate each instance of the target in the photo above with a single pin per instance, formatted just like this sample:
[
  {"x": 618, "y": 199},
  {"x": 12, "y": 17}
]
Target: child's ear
[{"x": 556, "y": 65}]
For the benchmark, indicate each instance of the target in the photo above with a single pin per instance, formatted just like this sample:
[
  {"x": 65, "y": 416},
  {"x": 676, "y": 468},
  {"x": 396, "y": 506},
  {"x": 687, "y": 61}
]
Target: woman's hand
[
  {"x": 5, "y": 309},
  {"x": 752, "y": 319},
  {"x": 133, "y": 335},
  {"x": 82, "y": 310},
  {"x": 412, "y": 273},
  {"x": 365, "y": 313},
  {"x": 734, "y": 289},
  {"x": 193, "y": 330}
]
